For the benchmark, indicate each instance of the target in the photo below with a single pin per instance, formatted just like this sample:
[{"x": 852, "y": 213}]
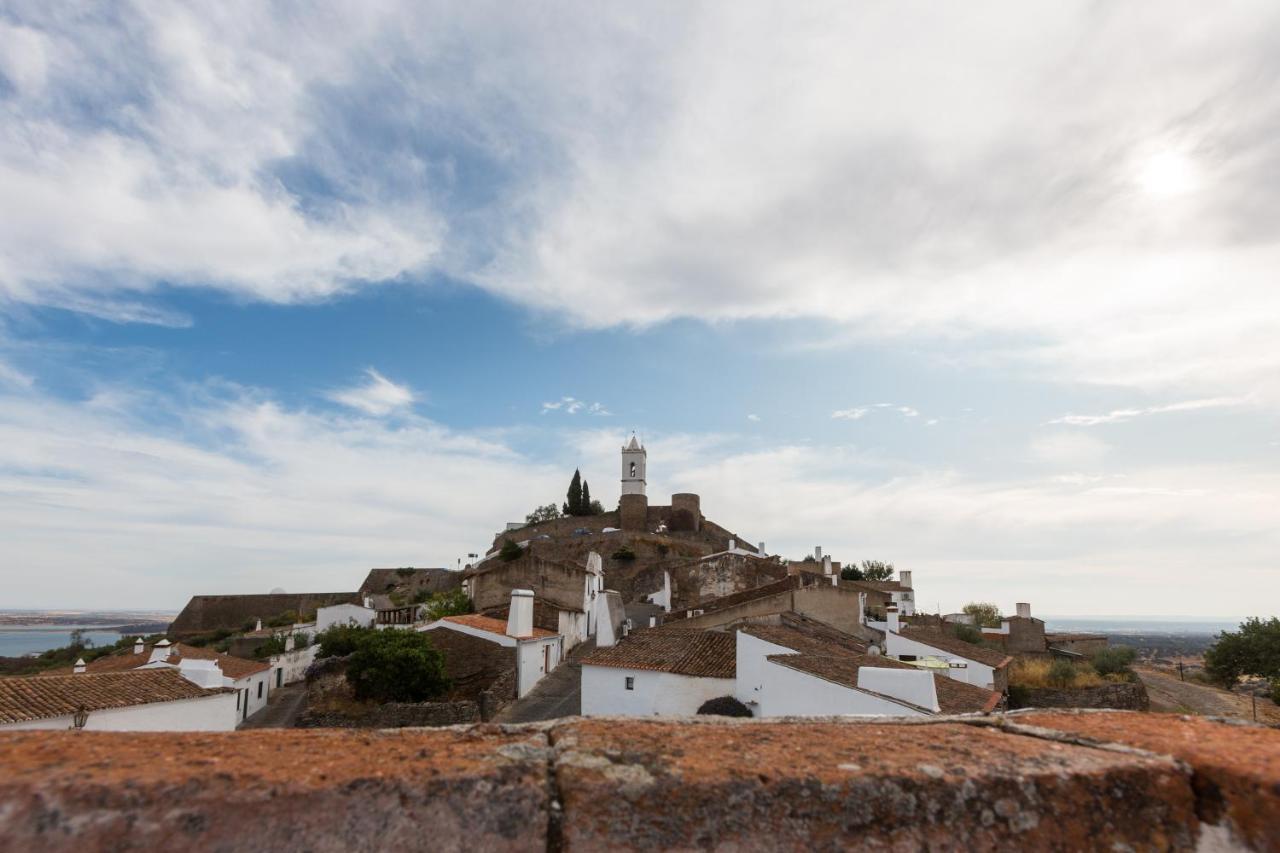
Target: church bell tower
[{"x": 633, "y": 461}]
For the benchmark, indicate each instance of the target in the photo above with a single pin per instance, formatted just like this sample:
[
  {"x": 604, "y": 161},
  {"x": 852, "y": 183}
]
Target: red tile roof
[
  {"x": 707, "y": 654},
  {"x": 494, "y": 626},
  {"x": 954, "y": 645},
  {"x": 42, "y": 697},
  {"x": 231, "y": 666}
]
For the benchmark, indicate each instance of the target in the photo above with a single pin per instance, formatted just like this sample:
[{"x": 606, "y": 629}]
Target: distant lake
[
  {"x": 1136, "y": 625},
  {"x": 16, "y": 642}
]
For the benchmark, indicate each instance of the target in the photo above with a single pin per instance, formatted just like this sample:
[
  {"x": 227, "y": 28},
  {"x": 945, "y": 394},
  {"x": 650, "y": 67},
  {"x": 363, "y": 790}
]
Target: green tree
[
  {"x": 397, "y": 666},
  {"x": 985, "y": 614},
  {"x": 451, "y": 603},
  {"x": 1254, "y": 649},
  {"x": 968, "y": 633},
  {"x": 876, "y": 570},
  {"x": 341, "y": 640},
  {"x": 851, "y": 573},
  {"x": 510, "y": 551},
  {"x": 542, "y": 513},
  {"x": 1114, "y": 660},
  {"x": 573, "y": 502},
  {"x": 584, "y": 507}
]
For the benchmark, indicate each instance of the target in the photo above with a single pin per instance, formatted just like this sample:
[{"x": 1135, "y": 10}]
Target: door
[
  {"x": 546, "y": 657},
  {"x": 279, "y": 677}
]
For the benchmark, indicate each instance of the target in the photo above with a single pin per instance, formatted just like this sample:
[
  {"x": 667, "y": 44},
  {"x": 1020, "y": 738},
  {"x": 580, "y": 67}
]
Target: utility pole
[{"x": 1181, "y": 674}]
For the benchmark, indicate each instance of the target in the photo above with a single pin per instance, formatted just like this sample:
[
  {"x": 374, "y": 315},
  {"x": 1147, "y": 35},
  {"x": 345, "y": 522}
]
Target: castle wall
[
  {"x": 633, "y": 512},
  {"x": 686, "y": 506},
  {"x": 562, "y": 584},
  {"x": 205, "y": 614}
]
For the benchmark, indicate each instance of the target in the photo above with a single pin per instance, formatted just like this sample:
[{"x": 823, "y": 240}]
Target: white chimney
[
  {"x": 159, "y": 651},
  {"x": 138, "y": 646},
  {"x": 891, "y": 616},
  {"x": 258, "y": 627},
  {"x": 79, "y": 667},
  {"x": 520, "y": 616},
  {"x": 733, "y": 543},
  {"x": 826, "y": 565},
  {"x": 1024, "y": 610},
  {"x": 761, "y": 550},
  {"x": 653, "y": 621},
  {"x": 817, "y": 553},
  {"x": 904, "y": 578}
]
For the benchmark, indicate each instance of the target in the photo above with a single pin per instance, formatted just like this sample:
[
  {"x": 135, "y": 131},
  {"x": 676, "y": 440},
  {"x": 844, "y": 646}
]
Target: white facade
[
  {"x": 607, "y": 691},
  {"x": 344, "y": 614},
  {"x": 291, "y": 666},
  {"x": 204, "y": 714},
  {"x": 662, "y": 597},
  {"x": 633, "y": 464},
  {"x": 973, "y": 672}
]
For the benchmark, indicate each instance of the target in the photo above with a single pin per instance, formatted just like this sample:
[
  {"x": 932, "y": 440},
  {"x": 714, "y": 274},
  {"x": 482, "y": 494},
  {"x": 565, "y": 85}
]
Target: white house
[
  {"x": 129, "y": 701},
  {"x": 537, "y": 650},
  {"x": 934, "y": 649},
  {"x": 344, "y": 614},
  {"x": 658, "y": 672}
]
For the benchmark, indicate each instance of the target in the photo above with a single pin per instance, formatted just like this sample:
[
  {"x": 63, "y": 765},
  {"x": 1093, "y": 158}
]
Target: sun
[{"x": 1168, "y": 173}]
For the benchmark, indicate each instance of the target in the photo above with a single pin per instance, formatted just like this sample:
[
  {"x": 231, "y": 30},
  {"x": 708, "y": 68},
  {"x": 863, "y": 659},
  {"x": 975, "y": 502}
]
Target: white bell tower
[{"x": 633, "y": 461}]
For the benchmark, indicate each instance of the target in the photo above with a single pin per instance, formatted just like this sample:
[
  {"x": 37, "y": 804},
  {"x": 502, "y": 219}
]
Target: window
[
  {"x": 633, "y": 469},
  {"x": 259, "y": 688},
  {"x": 631, "y": 683}
]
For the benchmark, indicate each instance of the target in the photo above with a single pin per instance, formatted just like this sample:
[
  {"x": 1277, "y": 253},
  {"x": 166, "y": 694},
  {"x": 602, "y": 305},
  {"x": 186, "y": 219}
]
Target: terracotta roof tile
[
  {"x": 231, "y": 666},
  {"x": 709, "y": 654},
  {"x": 949, "y": 643},
  {"x": 494, "y": 626},
  {"x": 41, "y": 697}
]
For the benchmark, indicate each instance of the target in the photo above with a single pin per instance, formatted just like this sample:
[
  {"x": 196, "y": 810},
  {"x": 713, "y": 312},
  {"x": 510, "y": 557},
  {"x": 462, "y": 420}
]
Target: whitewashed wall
[
  {"x": 656, "y": 693},
  {"x": 248, "y": 688},
  {"x": 975, "y": 673},
  {"x": 206, "y": 714},
  {"x": 788, "y": 692},
  {"x": 293, "y": 664},
  {"x": 531, "y": 662},
  {"x": 343, "y": 614}
]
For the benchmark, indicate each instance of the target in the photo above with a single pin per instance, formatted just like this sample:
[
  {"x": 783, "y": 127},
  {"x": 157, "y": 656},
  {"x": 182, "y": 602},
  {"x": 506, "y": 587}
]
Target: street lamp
[{"x": 80, "y": 717}]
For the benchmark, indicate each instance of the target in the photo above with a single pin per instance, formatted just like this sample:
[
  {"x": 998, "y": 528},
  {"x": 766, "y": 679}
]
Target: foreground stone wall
[
  {"x": 1024, "y": 781},
  {"x": 1131, "y": 696},
  {"x": 395, "y": 715}
]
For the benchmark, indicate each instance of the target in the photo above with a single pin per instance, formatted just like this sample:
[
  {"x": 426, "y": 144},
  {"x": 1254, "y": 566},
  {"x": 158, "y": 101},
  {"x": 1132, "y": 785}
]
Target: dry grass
[{"x": 1034, "y": 672}]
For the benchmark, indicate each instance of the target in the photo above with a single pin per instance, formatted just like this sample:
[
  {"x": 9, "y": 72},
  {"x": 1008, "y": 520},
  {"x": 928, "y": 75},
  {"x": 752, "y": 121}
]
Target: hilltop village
[{"x": 648, "y": 609}]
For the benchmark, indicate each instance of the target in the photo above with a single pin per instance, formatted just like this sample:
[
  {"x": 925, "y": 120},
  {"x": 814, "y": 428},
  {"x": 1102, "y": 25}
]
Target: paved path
[
  {"x": 1169, "y": 693},
  {"x": 557, "y": 695},
  {"x": 283, "y": 708}
]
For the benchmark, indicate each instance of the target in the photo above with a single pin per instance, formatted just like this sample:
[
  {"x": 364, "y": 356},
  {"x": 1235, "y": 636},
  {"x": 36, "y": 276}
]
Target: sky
[{"x": 986, "y": 290}]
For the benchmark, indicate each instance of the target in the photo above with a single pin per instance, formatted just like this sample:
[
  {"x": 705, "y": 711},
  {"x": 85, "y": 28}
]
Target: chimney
[
  {"x": 258, "y": 627},
  {"x": 138, "y": 647},
  {"x": 653, "y": 621},
  {"x": 520, "y": 616},
  {"x": 891, "y": 616},
  {"x": 817, "y": 553},
  {"x": 1024, "y": 610},
  {"x": 733, "y": 543},
  {"x": 79, "y": 667},
  {"x": 826, "y": 565},
  {"x": 160, "y": 651},
  {"x": 904, "y": 578},
  {"x": 761, "y": 550}
]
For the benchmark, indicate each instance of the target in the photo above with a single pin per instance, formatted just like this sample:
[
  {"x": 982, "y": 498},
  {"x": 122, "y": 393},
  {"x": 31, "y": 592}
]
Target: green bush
[
  {"x": 451, "y": 603},
  {"x": 968, "y": 633},
  {"x": 1061, "y": 673},
  {"x": 510, "y": 551},
  {"x": 301, "y": 640},
  {"x": 724, "y": 706},
  {"x": 396, "y": 666},
  {"x": 624, "y": 553},
  {"x": 341, "y": 640},
  {"x": 273, "y": 646},
  {"x": 1114, "y": 660},
  {"x": 282, "y": 620}
]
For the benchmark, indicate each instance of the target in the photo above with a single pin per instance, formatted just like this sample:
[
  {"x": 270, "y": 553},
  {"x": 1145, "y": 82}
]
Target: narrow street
[
  {"x": 283, "y": 708},
  {"x": 557, "y": 695}
]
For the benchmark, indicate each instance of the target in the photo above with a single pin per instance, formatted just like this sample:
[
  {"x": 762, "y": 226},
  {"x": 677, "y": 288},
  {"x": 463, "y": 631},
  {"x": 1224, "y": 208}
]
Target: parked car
[{"x": 582, "y": 531}]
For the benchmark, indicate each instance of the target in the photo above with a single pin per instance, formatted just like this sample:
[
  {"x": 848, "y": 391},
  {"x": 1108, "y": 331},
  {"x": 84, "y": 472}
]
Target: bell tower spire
[{"x": 633, "y": 465}]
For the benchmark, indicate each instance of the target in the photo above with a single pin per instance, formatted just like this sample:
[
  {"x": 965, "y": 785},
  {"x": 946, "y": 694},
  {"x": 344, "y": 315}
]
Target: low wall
[
  {"x": 1024, "y": 781},
  {"x": 1131, "y": 696},
  {"x": 500, "y": 693},
  {"x": 394, "y": 715}
]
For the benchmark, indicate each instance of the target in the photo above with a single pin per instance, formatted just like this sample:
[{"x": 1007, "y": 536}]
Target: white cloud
[
  {"x": 1121, "y": 415},
  {"x": 754, "y": 418},
  {"x": 1069, "y": 449},
  {"x": 378, "y": 396},
  {"x": 572, "y": 406},
  {"x": 857, "y": 413}
]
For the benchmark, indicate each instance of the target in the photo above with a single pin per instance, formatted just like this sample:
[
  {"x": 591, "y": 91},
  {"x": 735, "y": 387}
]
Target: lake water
[
  {"x": 16, "y": 642},
  {"x": 1136, "y": 625}
]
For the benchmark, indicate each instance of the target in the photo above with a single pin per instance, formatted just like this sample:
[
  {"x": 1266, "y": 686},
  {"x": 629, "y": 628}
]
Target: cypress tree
[
  {"x": 574, "y": 504},
  {"x": 586, "y": 499}
]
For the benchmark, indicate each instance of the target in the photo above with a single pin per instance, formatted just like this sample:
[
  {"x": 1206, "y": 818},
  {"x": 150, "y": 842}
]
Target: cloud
[
  {"x": 572, "y": 406},
  {"x": 1122, "y": 415},
  {"x": 859, "y": 412},
  {"x": 1069, "y": 449},
  {"x": 378, "y": 396},
  {"x": 754, "y": 418}
]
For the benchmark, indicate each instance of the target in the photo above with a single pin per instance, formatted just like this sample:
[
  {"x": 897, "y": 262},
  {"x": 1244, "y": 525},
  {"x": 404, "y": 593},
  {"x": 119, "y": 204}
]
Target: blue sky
[{"x": 289, "y": 291}]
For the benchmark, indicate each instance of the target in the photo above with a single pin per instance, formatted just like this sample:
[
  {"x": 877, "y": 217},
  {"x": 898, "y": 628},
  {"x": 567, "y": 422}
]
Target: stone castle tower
[{"x": 633, "y": 462}]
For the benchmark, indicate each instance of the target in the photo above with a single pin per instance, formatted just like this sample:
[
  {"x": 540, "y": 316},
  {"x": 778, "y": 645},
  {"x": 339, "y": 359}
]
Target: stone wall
[
  {"x": 500, "y": 693},
  {"x": 557, "y": 581},
  {"x": 472, "y": 664},
  {"x": 205, "y": 614},
  {"x": 394, "y": 715},
  {"x": 1128, "y": 696},
  {"x": 633, "y": 513},
  {"x": 1022, "y": 781}
]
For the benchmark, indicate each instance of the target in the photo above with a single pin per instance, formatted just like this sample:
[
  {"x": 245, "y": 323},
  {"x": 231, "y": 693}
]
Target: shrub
[
  {"x": 985, "y": 615},
  {"x": 724, "y": 706},
  {"x": 301, "y": 640},
  {"x": 273, "y": 646},
  {"x": 396, "y": 666},
  {"x": 1061, "y": 673},
  {"x": 624, "y": 553},
  {"x": 1113, "y": 661},
  {"x": 340, "y": 640},
  {"x": 451, "y": 603},
  {"x": 281, "y": 620},
  {"x": 510, "y": 551},
  {"x": 968, "y": 633}
]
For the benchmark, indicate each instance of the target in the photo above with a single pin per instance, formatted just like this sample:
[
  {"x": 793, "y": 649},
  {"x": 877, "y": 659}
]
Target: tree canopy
[
  {"x": 1254, "y": 649},
  {"x": 396, "y": 666},
  {"x": 870, "y": 570},
  {"x": 578, "y": 499},
  {"x": 985, "y": 614},
  {"x": 547, "y": 512}
]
